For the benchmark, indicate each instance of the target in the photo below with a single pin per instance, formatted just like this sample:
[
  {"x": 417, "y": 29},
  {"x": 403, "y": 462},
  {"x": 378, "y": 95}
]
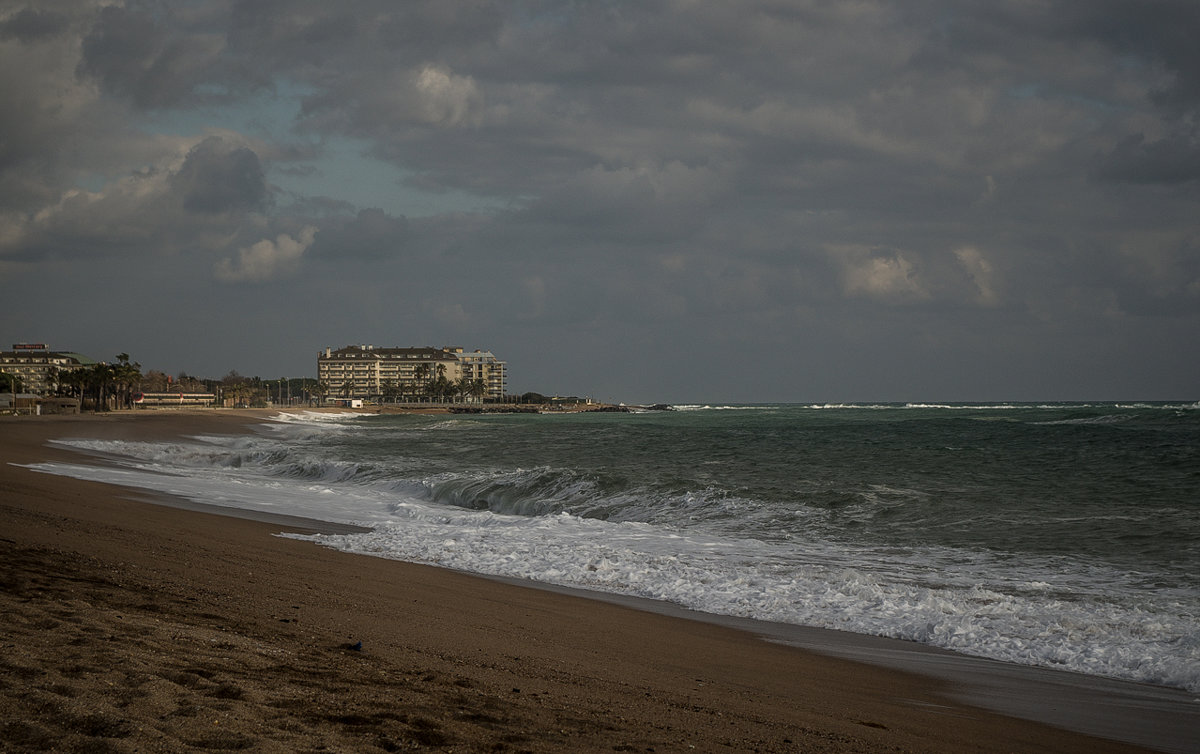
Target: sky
[{"x": 677, "y": 201}]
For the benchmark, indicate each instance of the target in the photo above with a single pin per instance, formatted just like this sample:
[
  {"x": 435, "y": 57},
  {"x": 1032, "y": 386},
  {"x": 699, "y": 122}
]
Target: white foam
[
  {"x": 706, "y": 407},
  {"x": 1024, "y": 621},
  {"x": 1097, "y": 420},
  {"x": 1081, "y": 616},
  {"x": 317, "y": 417}
]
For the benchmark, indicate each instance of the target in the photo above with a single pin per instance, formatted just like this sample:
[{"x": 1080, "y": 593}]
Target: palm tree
[
  {"x": 321, "y": 389},
  {"x": 478, "y": 389},
  {"x": 126, "y": 376},
  {"x": 241, "y": 393},
  {"x": 70, "y": 383},
  {"x": 440, "y": 387},
  {"x": 97, "y": 380},
  {"x": 422, "y": 374},
  {"x": 441, "y": 384},
  {"x": 389, "y": 390},
  {"x": 470, "y": 388}
]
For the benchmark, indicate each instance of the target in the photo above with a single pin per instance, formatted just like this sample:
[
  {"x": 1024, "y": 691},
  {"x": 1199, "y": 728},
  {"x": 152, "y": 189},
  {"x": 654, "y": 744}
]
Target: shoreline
[
  {"x": 892, "y": 706},
  {"x": 1161, "y": 718}
]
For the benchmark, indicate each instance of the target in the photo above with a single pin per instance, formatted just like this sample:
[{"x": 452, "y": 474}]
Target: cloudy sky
[{"x": 681, "y": 200}]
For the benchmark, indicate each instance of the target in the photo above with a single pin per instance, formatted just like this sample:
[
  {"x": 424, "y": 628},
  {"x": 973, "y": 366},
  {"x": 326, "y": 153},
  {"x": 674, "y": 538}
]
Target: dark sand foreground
[{"x": 130, "y": 626}]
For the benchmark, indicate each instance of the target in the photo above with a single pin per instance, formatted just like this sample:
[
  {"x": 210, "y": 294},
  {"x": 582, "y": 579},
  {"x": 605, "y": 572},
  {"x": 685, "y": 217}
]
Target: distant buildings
[
  {"x": 483, "y": 366},
  {"x": 354, "y": 372},
  {"x": 412, "y": 374},
  {"x": 35, "y": 365}
]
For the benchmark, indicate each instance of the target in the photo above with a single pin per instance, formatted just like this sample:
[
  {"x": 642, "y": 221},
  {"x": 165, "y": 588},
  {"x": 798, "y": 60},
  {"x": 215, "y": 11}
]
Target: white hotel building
[
  {"x": 34, "y": 365},
  {"x": 368, "y": 371}
]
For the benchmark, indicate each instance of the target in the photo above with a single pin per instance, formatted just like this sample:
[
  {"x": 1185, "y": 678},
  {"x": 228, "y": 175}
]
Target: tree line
[
  {"x": 105, "y": 386},
  {"x": 108, "y": 387}
]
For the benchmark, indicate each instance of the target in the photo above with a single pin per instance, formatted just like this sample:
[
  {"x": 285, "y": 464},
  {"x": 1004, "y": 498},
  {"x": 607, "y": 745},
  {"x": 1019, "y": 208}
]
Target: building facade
[
  {"x": 35, "y": 365},
  {"x": 409, "y": 374},
  {"x": 484, "y": 366}
]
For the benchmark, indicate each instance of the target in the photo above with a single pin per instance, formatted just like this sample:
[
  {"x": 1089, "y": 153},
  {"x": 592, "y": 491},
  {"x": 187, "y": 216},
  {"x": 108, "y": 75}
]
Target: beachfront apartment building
[
  {"x": 484, "y": 366},
  {"x": 405, "y": 374},
  {"x": 35, "y": 365}
]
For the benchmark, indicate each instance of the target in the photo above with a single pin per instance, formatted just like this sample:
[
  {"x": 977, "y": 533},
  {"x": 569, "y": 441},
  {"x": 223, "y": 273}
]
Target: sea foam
[{"x": 706, "y": 548}]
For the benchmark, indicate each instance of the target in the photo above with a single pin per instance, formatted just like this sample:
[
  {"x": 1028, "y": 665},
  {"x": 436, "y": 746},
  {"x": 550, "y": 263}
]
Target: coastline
[{"x": 486, "y": 663}]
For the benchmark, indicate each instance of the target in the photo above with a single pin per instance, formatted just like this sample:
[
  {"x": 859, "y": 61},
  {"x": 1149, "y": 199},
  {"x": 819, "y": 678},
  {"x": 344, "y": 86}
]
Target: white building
[
  {"x": 409, "y": 374},
  {"x": 483, "y": 365},
  {"x": 35, "y": 365}
]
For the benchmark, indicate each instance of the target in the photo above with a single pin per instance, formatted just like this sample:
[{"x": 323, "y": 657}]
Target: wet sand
[{"x": 127, "y": 625}]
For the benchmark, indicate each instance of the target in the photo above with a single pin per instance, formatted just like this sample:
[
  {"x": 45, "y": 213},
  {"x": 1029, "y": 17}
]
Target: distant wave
[
  {"x": 1007, "y": 406},
  {"x": 911, "y": 406},
  {"x": 1102, "y": 419},
  {"x": 316, "y": 417},
  {"x": 709, "y": 407},
  {"x": 970, "y": 407}
]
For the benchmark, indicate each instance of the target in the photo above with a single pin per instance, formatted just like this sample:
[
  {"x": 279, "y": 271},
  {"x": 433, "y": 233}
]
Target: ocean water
[{"x": 1060, "y": 535}]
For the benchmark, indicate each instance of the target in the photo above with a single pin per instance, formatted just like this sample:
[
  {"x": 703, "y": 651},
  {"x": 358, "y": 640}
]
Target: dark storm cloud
[
  {"x": 826, "y": 182},
  {"x": 29, "y": 25},
  {"x": 1158, "y": 32},
  {"x": 371, "y": 235},
  {"x": 219, "y": 177},
  {"x": 281, "y": 34},
  {"x": 159, "y": 58},
  {"x": 1174, "y": 159}
]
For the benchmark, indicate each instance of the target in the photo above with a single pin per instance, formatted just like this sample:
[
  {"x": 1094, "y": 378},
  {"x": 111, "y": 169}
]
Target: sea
[{"x": 1061, "y": 535}]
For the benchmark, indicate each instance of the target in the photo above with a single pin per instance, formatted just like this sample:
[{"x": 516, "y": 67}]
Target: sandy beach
[{"x": 132, "y": 625}]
